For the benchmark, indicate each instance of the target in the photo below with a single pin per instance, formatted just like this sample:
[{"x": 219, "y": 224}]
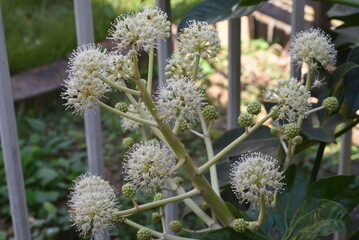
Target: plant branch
[
  {"x": 317, "y": 162},
  {"x": 119, "y": 87}
]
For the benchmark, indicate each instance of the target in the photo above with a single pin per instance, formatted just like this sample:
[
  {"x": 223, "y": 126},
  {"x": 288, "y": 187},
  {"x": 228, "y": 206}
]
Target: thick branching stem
[
  {"x": 150, "y": 71},
  {"x": 233, "y": 144},
  {"x": 216, "y": 204},
  {"x": 119, "y": 87}
]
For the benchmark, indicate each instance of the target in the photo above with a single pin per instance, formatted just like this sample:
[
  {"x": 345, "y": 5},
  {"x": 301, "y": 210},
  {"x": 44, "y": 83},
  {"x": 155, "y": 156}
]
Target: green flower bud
[
  {"x": 184, "y": 125},
  {"x": 128, "y": 190},
  {"x": 144, "y": 234},
  {"x": 297, "y": 140},
  {"x": 254, "y": 108},
  {"x": 158, "y": 197},
  {"x": 175, "y": 226},
  {"x": 128, "y": 142},
  {"x": 156, "y": 216},
  {"x": 291, "y": 130},
  {"x": 275, "y": 131},
  {"x": 253, "y": 227},
  {"x": 240, "y": 225},
  {"x": 276, "y": 112},
  {"x": 210, "y": 113},
  {"x": 178, "y": 180},
  {"x": 203, "y": 206},
  {"x": 245, "y": 120},
  {"x": 121, "y": 106},
  {"x": 331, "y": 104}
]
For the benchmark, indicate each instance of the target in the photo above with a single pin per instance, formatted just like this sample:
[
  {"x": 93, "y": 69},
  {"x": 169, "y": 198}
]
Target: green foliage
[{"x": 353, "y": 3}]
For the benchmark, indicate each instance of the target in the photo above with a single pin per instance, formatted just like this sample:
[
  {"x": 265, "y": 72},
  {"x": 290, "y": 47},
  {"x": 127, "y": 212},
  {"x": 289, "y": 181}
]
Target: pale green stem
[
  {"x": 197, "y": 231},
  {"x": 289, "y": 156},
  {"x": 196, "y": 65},
  {"x": 163, "y": 220},
  {"x": 210, "y": 154},
  {"x": 262, "y": 214},
  {"x": 214, "y": 202},
  {"x": 143, "y": 133},
  {"x": 178, "y": 122},
  {"x": 150, "y": 71},
  {"x": 193, "y": 206},
  {"x": 314, "y": 110},
  {"x": 178, "y": 165},
  {"x": 143, "y": 207},
  {"x": 134, "y": 202},
  {"x": 122, "y": 114},
  {"x": 119, "y": 87},
  {"x": 308, "y": 83},
  {"x": 196, "y": 133},
  {"x": 233, "y": 144},
  {"x": 155, "y": 233}
]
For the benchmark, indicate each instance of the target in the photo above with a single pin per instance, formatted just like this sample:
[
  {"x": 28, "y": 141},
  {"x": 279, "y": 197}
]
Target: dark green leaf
[
  {"x": 351, "y": 83},
  {"x": 213, "y": 11},
  {"x": 354, "y": 3},
  {"x": 340, "y": 72},
  {"x": 326, "y": 218},
  {"x": 48, "y": 196},
  {"x": 261, "y": 140},
  {"x": 224, "y": 234},
  {"x": 250, "y": 2},
  {"x": 36, "y": 124},
  {"x": 46, "y": 175}
]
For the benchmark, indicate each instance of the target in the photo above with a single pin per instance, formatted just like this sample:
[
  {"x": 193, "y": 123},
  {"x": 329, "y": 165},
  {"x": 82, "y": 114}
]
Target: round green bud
[
  {"x": 121, "y": 106},
  {"x": 144, "y": 82},
  {"x": 297, "y": 140},
  {"x": 178, "y": 180},
  {"x": 156, "y": 216},
  {"x": 128, "y": 142},
  {"x": 128, "y": 190},
  {"x": 240, "y": 225},
  {"x": 210, "y": 113},
  {"x": 275, "y": 131},
  {"x": 159, "y": 197},
  {"x": 276, "y": 112},
  {"x": 253, "y": 227},
  {"x": 144, "y": 234},
  {"x": 331, "y": 104},
  {"x": 203, "y": 206},
  {"x": 291, "y": 130},
  {"x": 245, "y": 120},
  {"x": 175, "y": 226},
  {"x": 254, "y": 107},
  {"x": 184, "y": 125}
]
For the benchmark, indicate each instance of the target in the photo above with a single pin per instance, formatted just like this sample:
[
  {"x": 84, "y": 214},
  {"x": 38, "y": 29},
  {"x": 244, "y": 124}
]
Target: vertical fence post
[
  {"x": 234, "y": 72},
  {"x": 164, "y": 52},
  {"x": 84, "y": 33},
  {"x": 10, "y": 147},
  {"x": 297, "y": 20}
]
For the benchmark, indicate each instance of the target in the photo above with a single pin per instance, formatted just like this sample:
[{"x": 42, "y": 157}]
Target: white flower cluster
[
  {"x": 121, "y": 69},
  {"x": 148, "y": 165},
  {"x": 255, "y": 175},
  {"x": 179, "y": 65},
  {"x": 313, "y": 46},
  {"x": 198, "y": 39},
  {"x": 128, "y": 124},
  {"x": 83, "y": 84},
  {"x": 292, "y": 98},
  {"x": 92, "y": 204},
  {"x": 141, "y": 29},
  {"x": 179, "y": 94}
]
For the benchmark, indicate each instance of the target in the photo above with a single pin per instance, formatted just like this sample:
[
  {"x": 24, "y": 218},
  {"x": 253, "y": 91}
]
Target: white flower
[
  {"x": 83, "y": 84},
  {"x": 313, "y": 46},
  {"x": 128, "y": 124},
  {"x": 198, "y": 39},
  {"x": 255, "y": 175},
  {"x": 148, "y": 165},
  {"x": 292, "y": 98},
  {"x": 92, "y": 204},
  {"x": 179, "y": 94},
  {"x": 141, "y": 29},
  {"x": 121, "y": 69},
  {"x": 179, "y": 65}
]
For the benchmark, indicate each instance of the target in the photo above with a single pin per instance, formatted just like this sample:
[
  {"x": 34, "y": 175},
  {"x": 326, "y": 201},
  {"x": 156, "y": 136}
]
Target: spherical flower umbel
[
  {"x": 92, "y": 204},
  {"x": 148, "y": 165},
  {"x": 83, "y": 83},
  {"x": 179, "y": 94},
  {"x": 312, "y": 46},
  {"x": 141, "y": 29},
  {"x": 179, "y": 65},
  {"x": 292, "y": 98},
  {"x": 255, "y": 175},
  {"x": 198, "y": 39}
]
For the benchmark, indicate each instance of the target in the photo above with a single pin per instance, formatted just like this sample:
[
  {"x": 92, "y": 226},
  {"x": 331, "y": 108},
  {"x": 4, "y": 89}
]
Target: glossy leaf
[
  {"x": 340, "y": 72},
  {"x": 213, "y": 11},
  {"x": 351, "y": 83},
  {"x": 250, "y": 2},
  {"x": 224, "y": 234},
  {"x": 354, "y": 3}
]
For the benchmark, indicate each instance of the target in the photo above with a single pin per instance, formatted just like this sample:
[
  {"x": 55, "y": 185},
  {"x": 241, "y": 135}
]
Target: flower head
[
  {"x": 121, "y": 69},
  {"x": 128, "y": 124},
  {"x": 312, "y": 46},
  {"x": 255, "y": 175},
  {"x": 141, "y": 29},
  {"x": 148, "y": 165},
  {"x": 92, "y": 204},
  {"x": 199, "y": 39},
  {"x": 179, "y": 94},
  {"x": 292, "y": 98},
  {"x": 179, "y": 65},
  {"x": 83, "y": 84}
]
